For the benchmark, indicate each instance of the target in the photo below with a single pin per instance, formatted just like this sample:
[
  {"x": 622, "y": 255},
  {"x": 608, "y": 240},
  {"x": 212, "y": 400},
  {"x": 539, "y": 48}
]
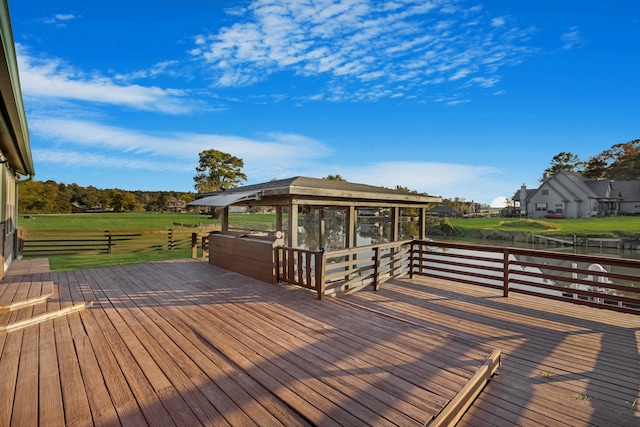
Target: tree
[
  {"x": 597, "y": 166},
  {"x": 625, "y": 164},
  {"x": 218, "y": 171},
  {"x": 564, "y": 161},
  {"x": 335, "y": 178}
]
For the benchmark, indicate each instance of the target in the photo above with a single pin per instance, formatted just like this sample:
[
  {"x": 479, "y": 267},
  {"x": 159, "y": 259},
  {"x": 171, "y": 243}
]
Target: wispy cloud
[
  {"x": 438, "y": 179},
  {"x": 572, "y": 38},
  {"x": 260, "y": 155},
  {"x": 52, "y": 78},
  {"x": 363, "y": 44},
  {"x": 60, "y": 19}
]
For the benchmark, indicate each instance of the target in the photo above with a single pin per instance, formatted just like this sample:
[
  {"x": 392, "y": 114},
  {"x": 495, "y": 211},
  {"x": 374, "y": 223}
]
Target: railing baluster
[{"x": 505, "y": 272}]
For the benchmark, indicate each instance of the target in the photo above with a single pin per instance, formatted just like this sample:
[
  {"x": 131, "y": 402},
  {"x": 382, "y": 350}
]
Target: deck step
[
  {"x": 16, "y": 305},
  {"x": 456, "y": 408},
  {"x": 44, "y": 317}
]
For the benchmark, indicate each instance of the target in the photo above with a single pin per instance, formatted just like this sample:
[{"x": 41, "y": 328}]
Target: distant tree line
[
  {"x": 621, "y": 162},
  {"x": 50, "y": 197}
]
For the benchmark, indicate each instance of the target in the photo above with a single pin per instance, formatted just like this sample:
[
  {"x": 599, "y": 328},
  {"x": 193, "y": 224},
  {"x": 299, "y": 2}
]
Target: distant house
[
  {"x": 569, "y": 195},
  {"x": 443, "y": 211},
  {"x": 15, "y": 151},
  {"x": 177, "y": 206},
  {"x": 76, "y": 207}
]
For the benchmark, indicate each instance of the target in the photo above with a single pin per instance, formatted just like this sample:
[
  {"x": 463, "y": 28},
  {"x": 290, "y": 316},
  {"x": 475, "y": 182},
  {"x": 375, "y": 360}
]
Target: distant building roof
[{"x": 443, "y": 209}]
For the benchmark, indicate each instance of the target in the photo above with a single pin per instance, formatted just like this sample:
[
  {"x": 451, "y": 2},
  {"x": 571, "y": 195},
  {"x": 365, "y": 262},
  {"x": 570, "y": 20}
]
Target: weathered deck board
[
  {"x": 562, "y": 364},
  {"x": 187, "y": 343}
]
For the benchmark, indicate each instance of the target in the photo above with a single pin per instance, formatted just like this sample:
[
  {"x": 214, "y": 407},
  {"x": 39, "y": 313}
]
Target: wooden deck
[{"x": 186, "y": 343}]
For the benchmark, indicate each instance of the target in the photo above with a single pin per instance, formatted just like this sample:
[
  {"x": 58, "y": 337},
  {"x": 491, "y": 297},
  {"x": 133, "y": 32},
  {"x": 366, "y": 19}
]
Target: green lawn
[
  {"x": 131, "y": 221},
  {"x": 628, "y": 226}
]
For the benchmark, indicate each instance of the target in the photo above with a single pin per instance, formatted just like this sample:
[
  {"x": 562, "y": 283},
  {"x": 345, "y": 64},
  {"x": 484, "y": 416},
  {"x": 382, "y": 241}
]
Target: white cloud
[
  {"x": 362, "y": 42},
  {"x": 51, "y": 78},
  {"x": 273, "y": 152},
  {"x": 446, "y": 179},
  {"x": 572, "y": 38},
  {"x": 88, "y": 160},
  {"x": 59, "y": 19},
  {"x": 498, "y": 22}
]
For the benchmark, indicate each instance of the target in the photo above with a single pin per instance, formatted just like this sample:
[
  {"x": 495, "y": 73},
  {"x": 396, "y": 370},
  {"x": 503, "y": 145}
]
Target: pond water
[{"x": 592, "y": 250}]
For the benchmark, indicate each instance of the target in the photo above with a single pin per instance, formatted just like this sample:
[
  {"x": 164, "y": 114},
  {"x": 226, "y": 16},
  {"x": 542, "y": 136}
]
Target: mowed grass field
[{"x": 132, "y": 221}]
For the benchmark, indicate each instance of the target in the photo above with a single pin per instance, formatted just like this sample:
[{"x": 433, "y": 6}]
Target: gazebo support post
[
  {"x": 293, "y": 225},
  {"x": 224, "y": 218},
  {"x": 321, "y": 229},
  {"x": 279, "y": 218}
]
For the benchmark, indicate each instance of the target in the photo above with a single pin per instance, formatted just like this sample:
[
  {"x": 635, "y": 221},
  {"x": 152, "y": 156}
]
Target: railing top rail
[
  {"x": 598, "y": 259},
  {"x": 306, "y": 251},
  {"x": 368, "y": 248}
]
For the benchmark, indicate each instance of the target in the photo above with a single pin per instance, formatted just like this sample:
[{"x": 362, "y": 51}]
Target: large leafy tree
[
  {"x": 218, "y": 171},
  {"x": 625, "y": 161},
  {"x": 620, "y": 162},
  {"x": 565, "y": 161}
]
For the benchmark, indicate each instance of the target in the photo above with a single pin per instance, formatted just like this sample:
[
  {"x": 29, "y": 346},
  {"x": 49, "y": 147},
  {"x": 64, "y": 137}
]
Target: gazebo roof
[{"x": 313, "y": 191}]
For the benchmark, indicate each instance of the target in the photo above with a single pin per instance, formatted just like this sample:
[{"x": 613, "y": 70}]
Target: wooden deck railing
[
  {"x": 612, "y": 283},
  {"x": 342, "y": 271},
  {"x": 47, "y": 243},
  {"x": 596, "y": 281}
]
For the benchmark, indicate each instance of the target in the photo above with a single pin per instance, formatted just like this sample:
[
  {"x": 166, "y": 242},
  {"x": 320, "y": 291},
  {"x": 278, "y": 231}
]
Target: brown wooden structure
[{"x": 300, "y": 193}]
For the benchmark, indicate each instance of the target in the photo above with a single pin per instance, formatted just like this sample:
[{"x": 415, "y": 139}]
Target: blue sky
[{"x": 465, "y": 99}]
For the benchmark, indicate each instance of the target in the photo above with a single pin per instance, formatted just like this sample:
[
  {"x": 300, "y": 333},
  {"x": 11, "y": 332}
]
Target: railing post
[
  {"x": 320, "y": 269},
  {"x": 505, "y": 272},
  {"x": 277, "y": 251},
  {"x": 194, "y": 245},
  {"x": 411, "y": 259},
  {"x": 376, "y": 268},
  {"x": 205, "y": 246}
]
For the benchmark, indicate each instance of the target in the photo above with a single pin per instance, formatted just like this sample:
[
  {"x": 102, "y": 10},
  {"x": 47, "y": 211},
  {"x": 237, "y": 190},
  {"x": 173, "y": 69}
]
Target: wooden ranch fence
[
  {"x": 596, "y": 281},
  {"x": 45, "y": 243}
]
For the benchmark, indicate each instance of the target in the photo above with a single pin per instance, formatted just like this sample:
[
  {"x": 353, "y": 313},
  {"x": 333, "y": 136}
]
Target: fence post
[
  {"x": 194, "y": 245},
  {"x": 108, "y": 233},
  {"x": 171, "y": 242},
  {"x": 505, "y": 272},
  {"x": 319, "y": 267}
]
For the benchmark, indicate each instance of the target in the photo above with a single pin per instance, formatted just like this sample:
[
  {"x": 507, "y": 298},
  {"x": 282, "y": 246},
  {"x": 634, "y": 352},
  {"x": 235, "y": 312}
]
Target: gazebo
[{"x": 303, "y": 194}]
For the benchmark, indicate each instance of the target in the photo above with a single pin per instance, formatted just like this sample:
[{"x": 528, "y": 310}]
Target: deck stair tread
[{"x": 27, "y": 303}]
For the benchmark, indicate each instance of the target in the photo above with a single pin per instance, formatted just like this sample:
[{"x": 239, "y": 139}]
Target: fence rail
[
  {"x": 596, "y": 281},
  {"x": 68, "y": 242}
]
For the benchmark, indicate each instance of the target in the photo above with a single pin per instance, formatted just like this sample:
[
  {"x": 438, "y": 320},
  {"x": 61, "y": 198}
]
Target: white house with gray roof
[{"x": 569, "y": 195}]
